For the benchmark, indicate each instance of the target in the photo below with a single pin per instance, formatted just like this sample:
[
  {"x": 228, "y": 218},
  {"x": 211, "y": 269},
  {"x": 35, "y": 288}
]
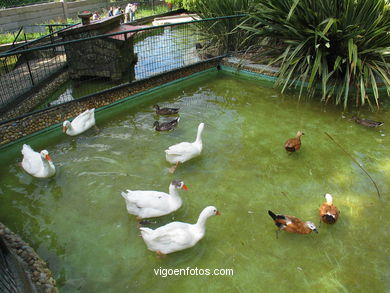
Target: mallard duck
[
  {"x": 292, "y": 224},
  {"x": 166, "y": 111},
  {"x": 329, "y": 213},
  {"x": 294, "y": 144},
  {"x": 166, "y": 126},
  {"x": 81, "y": 123},
  {"x": 367, "y": 122},
  {"x": 37, "y": 164},
  {"x": 177, "y": 236},
  {"x": 148, "y": 204},
  {"x": 184, "y": 151}
]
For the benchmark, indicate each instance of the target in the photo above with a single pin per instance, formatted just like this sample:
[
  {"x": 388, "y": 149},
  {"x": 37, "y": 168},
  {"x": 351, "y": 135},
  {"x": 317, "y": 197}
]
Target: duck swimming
[
  {"x": 149, "y": 203},
  {"x": 166, "y": 126},
  {"x": 329, "y": 213},
  {"x": 184, "y": 151},
  {"x": 367, "y": 122},
  {"x": 292, "y": 224},
  {"x": 37, "y": 164},
  {"x": 177, "y": 236},
  {"x": 294, "y": 144},
  {"x": 166, "y": 111},
  {"x": 81, "y": 123}
]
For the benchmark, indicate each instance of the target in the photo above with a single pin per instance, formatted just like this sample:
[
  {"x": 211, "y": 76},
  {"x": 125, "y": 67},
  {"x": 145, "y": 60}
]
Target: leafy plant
[
  {"x": 341, "y": 46},
  {"x": 145, "y": 11},
  {"x": 223, "y": 33}
]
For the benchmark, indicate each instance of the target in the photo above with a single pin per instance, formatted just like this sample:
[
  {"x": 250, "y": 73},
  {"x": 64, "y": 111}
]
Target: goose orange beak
[
  {"x": 48, "y": 157},
  {"x": 64, "y": 128},
  {"x": 218, "y": 213},
  {"x": 184, "y": 187}
]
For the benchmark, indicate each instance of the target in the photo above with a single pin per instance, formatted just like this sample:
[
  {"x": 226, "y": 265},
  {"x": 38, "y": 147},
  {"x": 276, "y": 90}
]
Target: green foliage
[
  {"x": 145, "y": 11},
  {"x": 177, "y": 3},
  {"x": 187, "y": 4},
  {"x": 224, "y": 33},
  {"x": 7, "y": 38},
  {"x": 341, "y": 46}
]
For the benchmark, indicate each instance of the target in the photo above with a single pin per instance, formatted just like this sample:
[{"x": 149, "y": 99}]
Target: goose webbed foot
[
  {"x": 172, "y": 169},
  {"x": 159, "y": 254}
]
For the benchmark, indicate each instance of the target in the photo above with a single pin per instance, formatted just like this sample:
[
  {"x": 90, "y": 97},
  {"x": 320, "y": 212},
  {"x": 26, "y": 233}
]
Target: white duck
[
  {"x": 177, "y": 236},
  {"x": 184, "y": 151},
  {"x": 37, "y": 164},
  {"x": 148, "y": 204},
  {"x": 81, "y": 123}
]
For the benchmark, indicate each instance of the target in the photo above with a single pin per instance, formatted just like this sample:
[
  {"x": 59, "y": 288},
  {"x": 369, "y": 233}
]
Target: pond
[{"x": 77, "y": 220}]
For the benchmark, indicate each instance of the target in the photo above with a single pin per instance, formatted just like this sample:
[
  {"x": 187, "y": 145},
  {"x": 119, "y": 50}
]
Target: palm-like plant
[
  {"x": 222, "y": 33},
  {"x": 342, "y": 46}
]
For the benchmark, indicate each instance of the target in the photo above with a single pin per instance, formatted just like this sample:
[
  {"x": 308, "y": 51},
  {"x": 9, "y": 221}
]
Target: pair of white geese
[
  {"x": 170, "y": 238},
  {"x": 40, "y": 164}
]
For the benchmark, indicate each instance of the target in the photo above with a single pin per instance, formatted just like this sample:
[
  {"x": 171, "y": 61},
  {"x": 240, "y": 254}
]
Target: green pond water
[{"x": 77, "y": 220}]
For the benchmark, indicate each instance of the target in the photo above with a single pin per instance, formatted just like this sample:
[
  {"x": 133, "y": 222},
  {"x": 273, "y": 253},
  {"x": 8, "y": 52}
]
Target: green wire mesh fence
[
  {"x": 26, "y": 69},
  {"x": 17, "y": 3}
]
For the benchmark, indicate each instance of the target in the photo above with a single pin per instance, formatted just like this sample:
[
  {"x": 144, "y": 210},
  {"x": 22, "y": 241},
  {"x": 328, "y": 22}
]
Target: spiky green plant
[
  {"x": 340, "y": 46},
  {"x": 222, "y": 33}
]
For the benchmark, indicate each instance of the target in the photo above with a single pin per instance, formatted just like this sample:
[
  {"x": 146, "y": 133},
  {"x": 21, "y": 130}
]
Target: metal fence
[
  {"x": 158, "y": 49},
  {"x": 7, "y": 278},
  {"x": 13, "y": 279},
  {"x": 17, "y": 3}
]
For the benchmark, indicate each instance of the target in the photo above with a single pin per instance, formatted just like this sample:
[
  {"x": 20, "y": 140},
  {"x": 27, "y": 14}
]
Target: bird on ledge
[{"x": 294, "y": 144}]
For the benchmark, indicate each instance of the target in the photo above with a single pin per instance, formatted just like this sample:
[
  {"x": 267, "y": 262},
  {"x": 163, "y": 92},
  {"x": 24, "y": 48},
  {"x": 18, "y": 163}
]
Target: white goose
[
  {"x": 148, "y": 204},
  {"x": 37, "y": 164},
  {"x": 177, "y": 236},
  {"x": 81, "y": 123},
  {"x": 184, "y": 151}
]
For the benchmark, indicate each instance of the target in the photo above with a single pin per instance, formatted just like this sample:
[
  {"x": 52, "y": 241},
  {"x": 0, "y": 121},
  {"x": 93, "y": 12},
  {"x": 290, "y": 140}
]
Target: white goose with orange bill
[
  {"x": 37, "y": 164},
  {"x": 150, "y": 203}
]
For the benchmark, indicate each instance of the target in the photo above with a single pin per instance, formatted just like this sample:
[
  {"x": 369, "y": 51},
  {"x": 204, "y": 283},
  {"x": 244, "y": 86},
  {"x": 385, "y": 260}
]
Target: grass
[
  {"x": 7, "y": 38},
  {"x": 146, "y": 11}
]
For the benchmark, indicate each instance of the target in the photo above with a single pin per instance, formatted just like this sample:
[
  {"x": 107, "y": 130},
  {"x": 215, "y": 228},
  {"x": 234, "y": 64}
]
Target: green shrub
[
  {"x": 341, "y": 46},
  {"x": 223, "y": 33}
]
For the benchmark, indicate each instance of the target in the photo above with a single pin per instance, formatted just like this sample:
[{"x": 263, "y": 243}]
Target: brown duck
[
  {"x": 166, "y": 111},
  {"x": 292, "y": 224},
  {"x": 294, "y": 144},
  {"x": 328, "y": 212},
  {"x": 166, "y": 126},
  {"x": 367, "y": 122}
]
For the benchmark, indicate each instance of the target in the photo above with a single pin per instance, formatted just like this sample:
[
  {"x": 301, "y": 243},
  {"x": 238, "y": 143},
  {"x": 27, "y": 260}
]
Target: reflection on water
[
  {"x": 66, "y": 96},
  {"x": 78, "y": 220},
  {"x": 158, "y": 51},
  {"x": 173, "y": 48}
]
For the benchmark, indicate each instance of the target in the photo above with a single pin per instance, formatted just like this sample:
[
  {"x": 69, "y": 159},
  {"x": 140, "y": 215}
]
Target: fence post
[
  {"x": 65, "y": 8},
  {"x": 28, "y": 64}
]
